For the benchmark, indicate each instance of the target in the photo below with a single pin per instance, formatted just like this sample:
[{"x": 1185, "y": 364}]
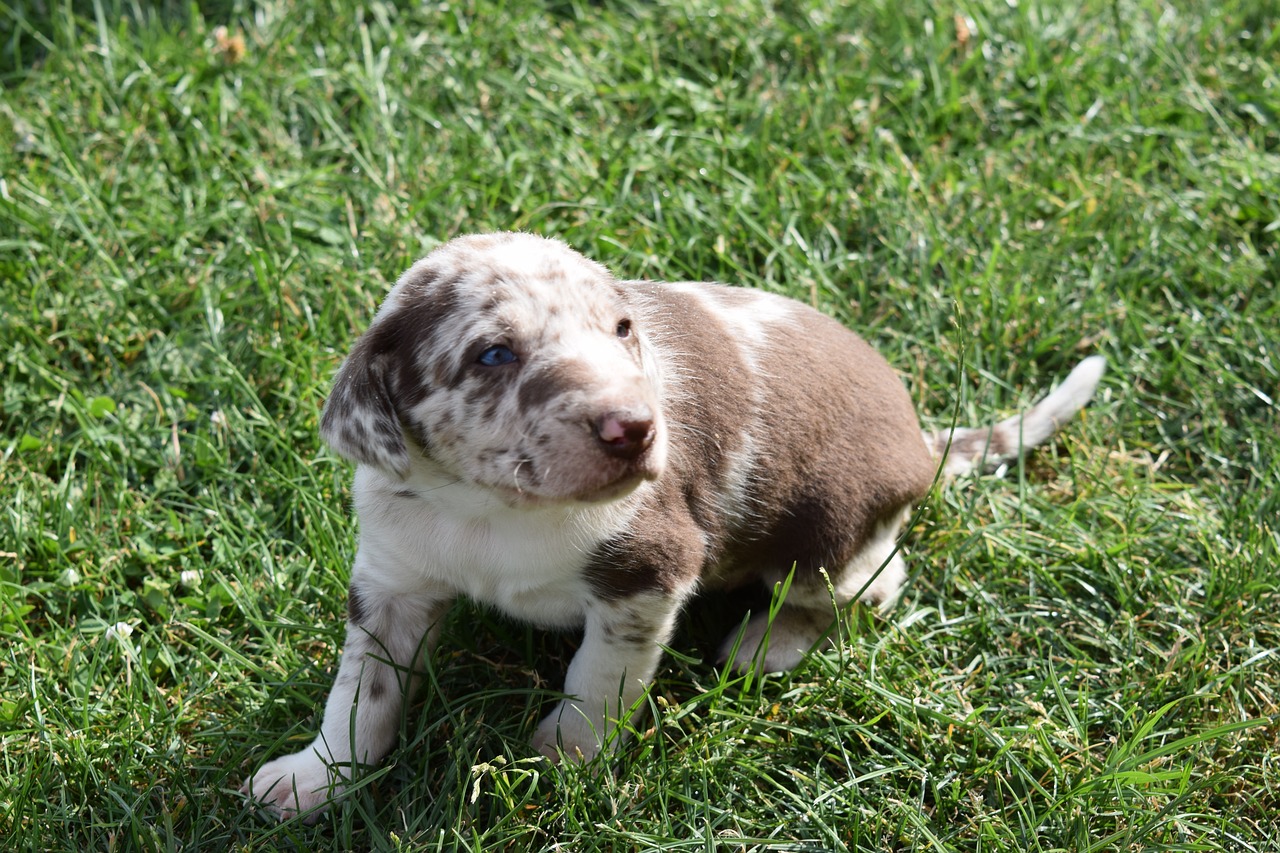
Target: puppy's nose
[{"x": 625, "y": 434}]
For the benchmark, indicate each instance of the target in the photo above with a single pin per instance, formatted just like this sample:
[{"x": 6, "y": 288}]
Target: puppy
[{"x": 583, "y": 452}]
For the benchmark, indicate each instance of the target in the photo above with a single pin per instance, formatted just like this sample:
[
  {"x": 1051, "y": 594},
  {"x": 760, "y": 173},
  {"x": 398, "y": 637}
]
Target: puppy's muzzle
[{"x": 625, "y": 434}]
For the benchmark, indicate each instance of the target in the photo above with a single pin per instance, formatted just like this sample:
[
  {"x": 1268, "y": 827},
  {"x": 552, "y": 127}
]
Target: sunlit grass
[{"x": 202, "y": 204}]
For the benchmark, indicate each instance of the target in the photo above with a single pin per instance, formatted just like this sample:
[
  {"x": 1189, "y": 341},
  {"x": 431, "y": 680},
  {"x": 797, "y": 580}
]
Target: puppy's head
[{"x": 511, "y": 362}]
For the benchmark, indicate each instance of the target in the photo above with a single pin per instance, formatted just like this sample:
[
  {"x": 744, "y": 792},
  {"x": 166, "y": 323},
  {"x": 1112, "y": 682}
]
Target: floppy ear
[{"x": 360, "y": 420}]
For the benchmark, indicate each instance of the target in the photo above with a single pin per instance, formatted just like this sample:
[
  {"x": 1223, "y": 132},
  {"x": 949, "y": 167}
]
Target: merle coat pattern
[{"x": 584, "y": 452}]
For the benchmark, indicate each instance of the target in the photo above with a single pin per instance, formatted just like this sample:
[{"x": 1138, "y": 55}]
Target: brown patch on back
[
  {"x": 837, "y": 448},
  {"x": 841, "y": 447}
]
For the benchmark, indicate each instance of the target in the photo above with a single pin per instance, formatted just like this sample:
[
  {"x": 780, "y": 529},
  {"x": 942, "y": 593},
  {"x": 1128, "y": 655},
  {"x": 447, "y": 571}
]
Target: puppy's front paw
[
  {"x": 567, "y": 731},
  {"x": 297, "y": 784}
]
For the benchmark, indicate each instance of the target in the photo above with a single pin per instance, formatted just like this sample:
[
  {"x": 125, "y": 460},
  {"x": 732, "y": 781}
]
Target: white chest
[{"x": 525, "y": 562}]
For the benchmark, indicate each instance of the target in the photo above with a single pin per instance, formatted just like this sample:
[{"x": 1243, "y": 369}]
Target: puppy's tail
[{"x": 965, "y": 449}]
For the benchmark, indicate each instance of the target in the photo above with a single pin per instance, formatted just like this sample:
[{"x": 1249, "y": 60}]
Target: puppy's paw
[
  {"x": 567, "y": 732},
  {"x": 775, "y": 647},
  {"x": 297, "y": 784}
]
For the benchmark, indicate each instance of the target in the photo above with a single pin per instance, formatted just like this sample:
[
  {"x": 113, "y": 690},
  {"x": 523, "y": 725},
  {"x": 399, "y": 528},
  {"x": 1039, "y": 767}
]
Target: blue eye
[{"x": 496, "y": 356}]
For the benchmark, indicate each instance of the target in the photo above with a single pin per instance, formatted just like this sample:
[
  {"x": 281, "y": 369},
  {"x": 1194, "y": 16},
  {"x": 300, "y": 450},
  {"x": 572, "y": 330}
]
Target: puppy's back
[{"x": 791, "y": 437}]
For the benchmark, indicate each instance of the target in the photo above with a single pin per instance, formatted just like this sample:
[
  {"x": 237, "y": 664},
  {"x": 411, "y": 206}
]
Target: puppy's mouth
[
  {"x": 614, "y": 480},
  {"x": 619, "y": 488},
  {"x": 584, "y": 460}
]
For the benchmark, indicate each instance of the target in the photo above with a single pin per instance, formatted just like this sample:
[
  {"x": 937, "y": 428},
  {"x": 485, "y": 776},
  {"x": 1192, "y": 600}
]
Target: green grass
[{"x": 191, "y": 236}]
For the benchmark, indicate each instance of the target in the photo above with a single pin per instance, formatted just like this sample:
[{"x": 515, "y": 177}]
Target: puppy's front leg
[
  {"x": 619, "y": 654},
  {"x": 385, "y": 631}
]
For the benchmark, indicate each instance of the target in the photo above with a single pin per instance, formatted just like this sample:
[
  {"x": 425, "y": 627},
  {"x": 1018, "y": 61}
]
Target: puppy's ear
[{"x": 360, "y": 419}]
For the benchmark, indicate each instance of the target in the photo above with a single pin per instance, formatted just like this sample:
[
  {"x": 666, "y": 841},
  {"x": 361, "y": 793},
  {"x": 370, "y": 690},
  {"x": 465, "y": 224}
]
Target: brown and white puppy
[{"x": 583, "y": 452}]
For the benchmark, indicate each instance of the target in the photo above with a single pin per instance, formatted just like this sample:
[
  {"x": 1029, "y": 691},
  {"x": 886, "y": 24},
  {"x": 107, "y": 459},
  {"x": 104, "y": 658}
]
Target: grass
[{"x": 195, "y": 222}]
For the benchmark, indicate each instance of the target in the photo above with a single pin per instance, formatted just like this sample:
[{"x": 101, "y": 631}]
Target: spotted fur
[{"x": 582, "y": 452}]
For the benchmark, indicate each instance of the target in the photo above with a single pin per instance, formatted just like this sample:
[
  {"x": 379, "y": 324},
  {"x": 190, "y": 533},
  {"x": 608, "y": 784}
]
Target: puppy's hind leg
[
  {"x": 385, "y": 633},
  {"x": 779, "y": 641}
]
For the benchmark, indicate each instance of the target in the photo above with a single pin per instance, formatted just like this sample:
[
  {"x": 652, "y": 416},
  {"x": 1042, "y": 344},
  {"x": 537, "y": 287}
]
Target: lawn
[{"x": 202, "y": 203}]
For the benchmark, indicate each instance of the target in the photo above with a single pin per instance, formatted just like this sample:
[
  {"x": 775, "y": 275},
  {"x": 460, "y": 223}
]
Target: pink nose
[{"x": 625, "y": 435}]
